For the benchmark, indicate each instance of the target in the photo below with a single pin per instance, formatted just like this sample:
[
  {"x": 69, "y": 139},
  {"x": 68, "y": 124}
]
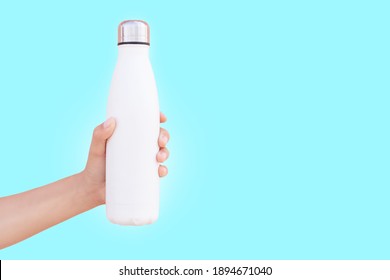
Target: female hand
[{"x": 94, "y": 174}]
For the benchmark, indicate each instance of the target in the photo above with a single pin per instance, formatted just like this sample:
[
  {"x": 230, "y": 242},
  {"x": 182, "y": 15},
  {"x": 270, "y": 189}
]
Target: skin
[{"x": 26, "y": 214}]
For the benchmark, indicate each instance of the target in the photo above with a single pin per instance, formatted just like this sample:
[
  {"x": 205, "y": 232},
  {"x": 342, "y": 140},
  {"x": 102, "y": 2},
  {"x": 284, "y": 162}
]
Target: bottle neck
[{"x": 134, "y": 49}]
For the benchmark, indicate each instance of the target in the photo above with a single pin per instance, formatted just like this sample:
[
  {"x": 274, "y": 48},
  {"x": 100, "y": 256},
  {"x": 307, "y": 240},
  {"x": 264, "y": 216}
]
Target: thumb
[{"x": 100, "y": 135}]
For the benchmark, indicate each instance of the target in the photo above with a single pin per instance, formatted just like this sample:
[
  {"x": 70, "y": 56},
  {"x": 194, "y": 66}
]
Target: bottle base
[
  {"x": 131, "y": 221},
  {"x": 120, "y": 215}
]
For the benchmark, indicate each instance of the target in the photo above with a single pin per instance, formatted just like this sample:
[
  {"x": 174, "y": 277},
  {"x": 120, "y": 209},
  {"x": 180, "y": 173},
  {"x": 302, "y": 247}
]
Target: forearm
[{"x": 25, "y": 214}]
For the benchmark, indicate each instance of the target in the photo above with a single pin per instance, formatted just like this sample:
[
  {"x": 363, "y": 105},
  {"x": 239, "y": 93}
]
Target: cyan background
[{"x": 278, "y": 112}]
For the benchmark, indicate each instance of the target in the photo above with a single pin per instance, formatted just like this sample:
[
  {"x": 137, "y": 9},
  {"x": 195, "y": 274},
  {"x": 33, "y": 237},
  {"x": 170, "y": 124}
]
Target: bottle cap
[{"x": 133, "y": 32}]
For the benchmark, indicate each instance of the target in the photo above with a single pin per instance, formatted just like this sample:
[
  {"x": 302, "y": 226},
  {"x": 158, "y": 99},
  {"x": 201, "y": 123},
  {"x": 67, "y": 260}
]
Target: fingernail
[
  {"x": 163, "y": 171},
  {"x": 164, "y": 139},
  {"x": 163, "y": 155},
  {"x": 108, "y": 123}
]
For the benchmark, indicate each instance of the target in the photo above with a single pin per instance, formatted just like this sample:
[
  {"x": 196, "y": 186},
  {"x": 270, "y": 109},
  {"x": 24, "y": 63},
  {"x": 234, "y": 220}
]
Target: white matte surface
[{"x": 132, "y": 182}]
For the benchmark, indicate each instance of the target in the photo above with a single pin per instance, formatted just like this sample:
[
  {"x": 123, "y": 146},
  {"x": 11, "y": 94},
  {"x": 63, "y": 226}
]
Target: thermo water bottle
[{"x": 132, "y": 181}]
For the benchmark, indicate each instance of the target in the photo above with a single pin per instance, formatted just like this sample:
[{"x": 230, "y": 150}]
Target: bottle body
[{"x": 132, "y": 181}]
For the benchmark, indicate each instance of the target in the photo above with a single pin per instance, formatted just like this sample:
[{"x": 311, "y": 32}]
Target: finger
[
  {"x": 163, "y": 118},
  {"x": 162, "y": 155},
  {"x": 163, "y": 138},
  {"x": 100, "y": 135},
  {"x": 162, "y": 171}
]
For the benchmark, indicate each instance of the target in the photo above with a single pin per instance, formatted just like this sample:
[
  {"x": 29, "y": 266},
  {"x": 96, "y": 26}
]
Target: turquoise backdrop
[{"x": 278, "y": 113}]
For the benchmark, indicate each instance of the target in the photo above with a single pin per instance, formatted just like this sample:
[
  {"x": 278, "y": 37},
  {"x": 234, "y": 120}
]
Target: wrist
[{"x": 92, "y": 192}]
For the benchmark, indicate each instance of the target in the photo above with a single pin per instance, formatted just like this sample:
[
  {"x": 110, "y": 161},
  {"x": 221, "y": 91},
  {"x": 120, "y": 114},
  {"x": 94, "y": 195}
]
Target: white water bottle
[{"x": 132, "y": 181}]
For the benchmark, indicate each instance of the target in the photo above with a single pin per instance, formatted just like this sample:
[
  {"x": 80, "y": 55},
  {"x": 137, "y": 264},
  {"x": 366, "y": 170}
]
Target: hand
[{"x": 94, "y": 174}]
